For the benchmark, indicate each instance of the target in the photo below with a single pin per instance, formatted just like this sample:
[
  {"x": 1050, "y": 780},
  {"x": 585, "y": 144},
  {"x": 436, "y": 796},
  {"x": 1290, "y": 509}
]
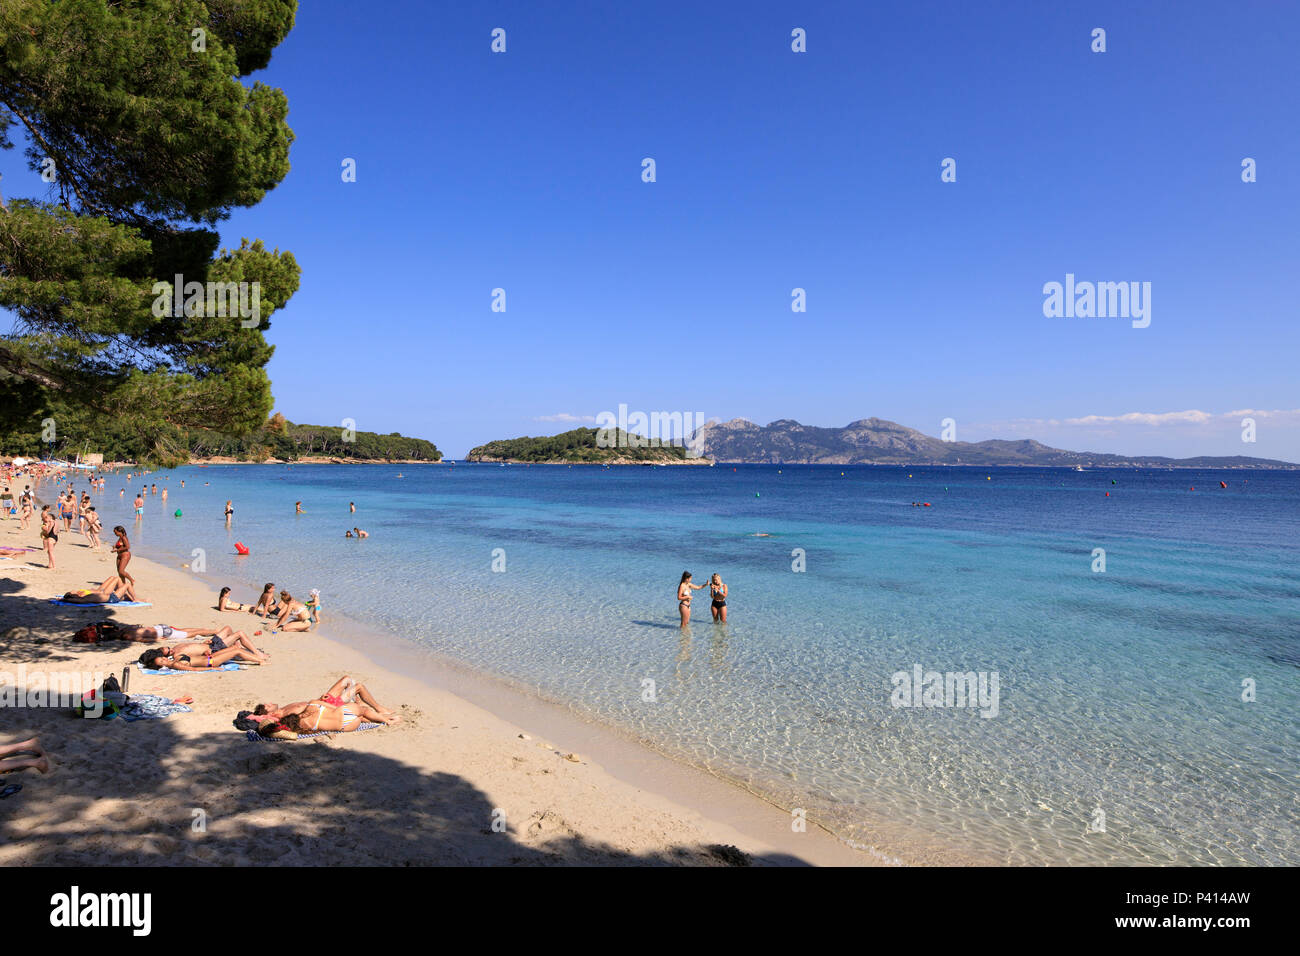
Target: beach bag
[
  {"x": 95, "y": 633},
  {"x": 108, "y": 705},
  {"x": 87, "y": 635}
]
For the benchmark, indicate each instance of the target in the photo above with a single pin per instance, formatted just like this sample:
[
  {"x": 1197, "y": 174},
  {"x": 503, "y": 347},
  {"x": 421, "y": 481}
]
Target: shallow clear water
[{"x": 1119, "y": 691}]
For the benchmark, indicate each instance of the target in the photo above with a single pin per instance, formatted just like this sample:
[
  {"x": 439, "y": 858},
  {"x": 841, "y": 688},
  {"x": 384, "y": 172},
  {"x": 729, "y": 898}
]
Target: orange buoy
[
  {"x": 1223, "y": 484},
  {"x": 239, "y": 546}
]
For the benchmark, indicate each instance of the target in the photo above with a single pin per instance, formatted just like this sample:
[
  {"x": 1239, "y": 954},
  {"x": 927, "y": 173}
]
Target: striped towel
[
  {"x": 254, "y": 736},
  {"x": 170, "y": 672}
]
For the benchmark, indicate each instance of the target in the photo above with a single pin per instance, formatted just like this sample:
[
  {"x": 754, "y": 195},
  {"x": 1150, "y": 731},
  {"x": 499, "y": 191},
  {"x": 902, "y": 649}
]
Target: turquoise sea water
[{"x": 1119, "y": 691}]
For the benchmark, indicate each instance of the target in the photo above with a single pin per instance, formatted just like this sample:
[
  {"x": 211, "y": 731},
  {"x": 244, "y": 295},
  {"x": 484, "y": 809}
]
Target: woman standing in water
[
  {"x": 230, "y": 511},
  {"x": 719, "y": 592},
  {"x": 684, "y": 590}
]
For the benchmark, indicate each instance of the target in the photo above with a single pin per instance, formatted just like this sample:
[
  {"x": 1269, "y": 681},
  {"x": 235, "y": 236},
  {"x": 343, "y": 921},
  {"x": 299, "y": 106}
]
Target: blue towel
[
  {"x": 254, "y": 736},
  {"x": 104, "y": 604},
  {"x": 169, "y": 672}
]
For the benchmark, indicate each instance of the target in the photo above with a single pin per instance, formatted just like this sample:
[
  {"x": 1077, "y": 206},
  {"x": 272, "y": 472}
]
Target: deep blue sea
[{"x": 1121, "y": 733}]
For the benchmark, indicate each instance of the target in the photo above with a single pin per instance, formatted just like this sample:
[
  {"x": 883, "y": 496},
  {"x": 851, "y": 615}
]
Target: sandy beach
[{"x": 191, "y": 789}]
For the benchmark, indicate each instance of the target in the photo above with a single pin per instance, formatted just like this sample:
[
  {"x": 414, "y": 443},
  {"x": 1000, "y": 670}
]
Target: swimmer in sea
[
  {"x": 361, "y": 534},
  {"x": 297, "y": 508}
]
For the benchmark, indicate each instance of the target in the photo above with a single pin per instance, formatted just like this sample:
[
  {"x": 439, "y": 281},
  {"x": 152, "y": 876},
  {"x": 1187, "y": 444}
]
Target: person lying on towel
[
  {"x": 202, "y": 655},
  {"x": 152, "y": 633},
  {"x": 344, "y": 707},
  {"x": 111, "y": 591}
]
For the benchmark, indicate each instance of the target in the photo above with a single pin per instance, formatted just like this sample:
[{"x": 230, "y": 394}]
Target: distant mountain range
[{"x": 874, "y": 441}]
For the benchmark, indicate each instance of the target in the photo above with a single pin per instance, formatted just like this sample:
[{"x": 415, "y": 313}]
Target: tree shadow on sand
[
  {"x": 35, "y": 631},
  {"x": 306, "y": 803}
]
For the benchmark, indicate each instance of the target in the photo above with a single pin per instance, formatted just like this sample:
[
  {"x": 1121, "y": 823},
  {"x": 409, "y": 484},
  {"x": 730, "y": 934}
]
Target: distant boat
[{"x": 1078, "y": 467}]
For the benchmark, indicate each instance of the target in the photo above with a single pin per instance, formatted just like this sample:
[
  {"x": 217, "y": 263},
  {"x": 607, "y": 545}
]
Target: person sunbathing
[
  {"x": 23, "y": 755},
  {"x": 152, "y": 633},
  {"x": 203, "y": 655},
  {"x": 344, "y": 707},
  {"x": 225, "y": 604},
  {"x": 112, "y": 591}
]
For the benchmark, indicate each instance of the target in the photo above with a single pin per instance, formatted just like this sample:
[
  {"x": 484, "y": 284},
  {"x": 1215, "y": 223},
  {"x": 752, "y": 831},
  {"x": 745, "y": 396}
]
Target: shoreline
[{"x": 648, "y": 808}]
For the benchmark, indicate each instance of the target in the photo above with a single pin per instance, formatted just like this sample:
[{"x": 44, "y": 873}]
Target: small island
[
  {"x": 583, "y": 446},
  {"x": 281, "y": 441}
]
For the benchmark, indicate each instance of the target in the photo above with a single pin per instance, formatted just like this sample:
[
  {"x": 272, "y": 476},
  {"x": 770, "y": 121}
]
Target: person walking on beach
[
  {"x": 25, "y": 510},
  {"x": 68, "y": 510},
  {"x": 93, "y": 527},
  {"x": 122, "y": 548},
  {"x": 719, "y": 605},
  {"x": 49, "y": 534},
  {"x": 83, "y": 519},
  {"x": 684, "y": 589}
]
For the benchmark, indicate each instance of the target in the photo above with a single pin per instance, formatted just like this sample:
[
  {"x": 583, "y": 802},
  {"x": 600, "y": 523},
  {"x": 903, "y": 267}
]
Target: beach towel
[
  {"x": 254, "y": 736},
  {"x": 151, "y": 707},
  {"x": 170, "y": 672},
  {"x": 102, "y": 604}
]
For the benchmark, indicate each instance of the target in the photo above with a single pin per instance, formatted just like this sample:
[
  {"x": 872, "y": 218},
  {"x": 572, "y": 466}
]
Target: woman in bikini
[
  {"x": 49, "y": 533},
  {"x": 93, "y": 527},
  {"x": 719, "y": 592},
  {"x": 202, "y": 655},
  {"x": 123, "y": 551},
  {"x": 230, "y": 513},
  {"x": 112, "y": 591},
  {"x": 223, "y": 604},
  {"x": 344, "y": 707},
  {"x": 266, "y": 603},
  {"x": 294, "y": 615},
  {"x": 684, "y": 590}
]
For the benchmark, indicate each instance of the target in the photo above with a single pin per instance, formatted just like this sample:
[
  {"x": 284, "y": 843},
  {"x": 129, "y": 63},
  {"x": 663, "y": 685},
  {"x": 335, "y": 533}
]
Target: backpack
[{"x": 95, "y": 633}]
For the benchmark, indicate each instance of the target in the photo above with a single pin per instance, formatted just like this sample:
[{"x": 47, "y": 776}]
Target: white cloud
[
  {"x": 1191, "y": 417},
  {"x": 565, "y": 417},
  {"x": 1148, "y": 419}
]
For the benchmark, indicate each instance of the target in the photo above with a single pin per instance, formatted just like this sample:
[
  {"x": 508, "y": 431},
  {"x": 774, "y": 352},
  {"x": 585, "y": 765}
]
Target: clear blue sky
[{"x": 775, "y": 170}]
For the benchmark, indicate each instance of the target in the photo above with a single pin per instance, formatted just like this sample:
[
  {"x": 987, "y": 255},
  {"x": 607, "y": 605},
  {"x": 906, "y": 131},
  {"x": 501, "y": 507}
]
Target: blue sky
[{"x": 778, "y": 170}]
